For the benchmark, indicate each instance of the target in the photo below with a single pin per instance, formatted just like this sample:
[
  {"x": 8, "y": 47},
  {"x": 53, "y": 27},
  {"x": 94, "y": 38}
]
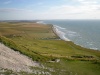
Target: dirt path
[{"x": 10, "y": 59}]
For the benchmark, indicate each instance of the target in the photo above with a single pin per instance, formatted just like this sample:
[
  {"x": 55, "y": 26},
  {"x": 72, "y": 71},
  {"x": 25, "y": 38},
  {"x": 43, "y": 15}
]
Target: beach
[
  {"x": 59, "y": 33},
  {"x": 85, "y": 33}
]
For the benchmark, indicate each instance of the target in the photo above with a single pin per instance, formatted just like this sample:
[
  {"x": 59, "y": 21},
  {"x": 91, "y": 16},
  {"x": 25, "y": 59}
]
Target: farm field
[{"x": 58, "y": 57}]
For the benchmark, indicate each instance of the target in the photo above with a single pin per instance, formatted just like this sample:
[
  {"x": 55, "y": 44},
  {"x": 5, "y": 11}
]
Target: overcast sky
[{"x": 49, "y": 9}]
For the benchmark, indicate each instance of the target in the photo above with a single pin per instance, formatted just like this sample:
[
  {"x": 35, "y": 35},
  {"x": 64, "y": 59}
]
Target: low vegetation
[{"x": 40, "y": 43}]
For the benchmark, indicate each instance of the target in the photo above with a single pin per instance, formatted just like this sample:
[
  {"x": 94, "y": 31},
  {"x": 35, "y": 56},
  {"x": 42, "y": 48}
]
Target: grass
[
  {"x": 39, "y": 42},
  {"x": 66, "y": 67}
]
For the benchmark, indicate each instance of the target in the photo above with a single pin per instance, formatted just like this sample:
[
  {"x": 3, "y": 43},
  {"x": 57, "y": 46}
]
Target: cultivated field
[{"x": 58, "y": 57}]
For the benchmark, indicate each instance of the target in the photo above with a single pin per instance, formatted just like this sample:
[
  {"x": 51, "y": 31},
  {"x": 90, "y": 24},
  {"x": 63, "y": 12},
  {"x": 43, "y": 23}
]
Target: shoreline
[
  {"x": 59, "y": 33},
  {"x": 54, "y": 29}
]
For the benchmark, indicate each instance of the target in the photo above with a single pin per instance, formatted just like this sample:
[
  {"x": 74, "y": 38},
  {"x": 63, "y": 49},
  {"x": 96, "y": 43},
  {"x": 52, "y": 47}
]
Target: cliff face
[{"x": 10, "y": 59}]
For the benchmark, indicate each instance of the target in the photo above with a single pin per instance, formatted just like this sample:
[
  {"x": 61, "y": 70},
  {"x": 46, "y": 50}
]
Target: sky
[{"x": 49, "y": 9}]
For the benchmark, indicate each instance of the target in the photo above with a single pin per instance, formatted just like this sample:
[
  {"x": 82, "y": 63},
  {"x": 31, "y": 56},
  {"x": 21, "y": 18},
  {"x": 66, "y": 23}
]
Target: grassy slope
[{"x": 40, "y": 43}]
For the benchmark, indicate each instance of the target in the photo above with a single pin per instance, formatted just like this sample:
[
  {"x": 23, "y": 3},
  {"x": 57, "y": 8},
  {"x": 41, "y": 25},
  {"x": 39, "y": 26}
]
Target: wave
[
  {"x": 94, "y": 48},
  {"x": 91, "y": 45},
  {"x": 66, "y": 34},
  {"x": 70, "y": 35},
  {"x": 59, "y": 27},
  {"x": 60, "y": 33},
  {"x": 41, "y": 22},
  {"x": 63, "y": 33},
  {"x": 57, "y": 30}
]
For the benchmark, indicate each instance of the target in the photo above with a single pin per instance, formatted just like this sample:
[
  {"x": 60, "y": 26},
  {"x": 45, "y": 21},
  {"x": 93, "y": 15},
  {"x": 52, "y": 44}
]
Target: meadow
[{"x": 39, "y": 42}]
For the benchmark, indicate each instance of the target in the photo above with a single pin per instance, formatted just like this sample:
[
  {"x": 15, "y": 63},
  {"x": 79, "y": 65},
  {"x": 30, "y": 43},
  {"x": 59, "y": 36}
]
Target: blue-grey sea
[{"x": 85, "y": 33}]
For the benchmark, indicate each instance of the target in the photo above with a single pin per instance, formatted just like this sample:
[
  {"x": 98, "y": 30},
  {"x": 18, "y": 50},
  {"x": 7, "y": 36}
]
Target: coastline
[
  {"x": 68, "y": 35},
  {"x": 54, "y": 31},
  {"x": 60, "y": 34},
  {"x": 40, "y": 51}
]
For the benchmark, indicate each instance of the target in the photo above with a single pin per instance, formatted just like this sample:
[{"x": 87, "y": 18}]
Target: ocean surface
[{"x": 85, "y": 33}]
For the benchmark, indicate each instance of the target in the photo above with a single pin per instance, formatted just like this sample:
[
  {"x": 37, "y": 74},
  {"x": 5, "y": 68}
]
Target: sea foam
[
  {"x": 41, "y": 22},
  {"x": 80, "y": 32},
  {"x": 60, "y": 33}
]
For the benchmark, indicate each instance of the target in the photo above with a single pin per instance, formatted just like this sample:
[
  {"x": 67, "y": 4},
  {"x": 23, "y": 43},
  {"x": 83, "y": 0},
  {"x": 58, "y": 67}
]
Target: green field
[{"x": 39, "y": 42}]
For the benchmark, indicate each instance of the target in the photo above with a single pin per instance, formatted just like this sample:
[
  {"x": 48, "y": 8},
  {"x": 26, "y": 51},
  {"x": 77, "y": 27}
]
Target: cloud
[
  {"x": 6, "y": 10},
  {"x": 83, "y": 9},
  {"x": 87, "y": 9},
  {"x": 7, "y": 2},
  {"x": 65, "y": 9},
  {"x": 85, "y": 6},
  {"x": 17, "y": 14},
  {"x": 86, "y": 2}
]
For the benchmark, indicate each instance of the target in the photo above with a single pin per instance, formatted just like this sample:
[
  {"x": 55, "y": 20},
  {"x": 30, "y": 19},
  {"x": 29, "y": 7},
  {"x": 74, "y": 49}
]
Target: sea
[{"x": 85, "y": 33}]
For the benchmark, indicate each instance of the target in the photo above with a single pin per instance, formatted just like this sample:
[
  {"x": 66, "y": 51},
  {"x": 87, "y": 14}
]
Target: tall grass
[{"x": 34, "y": 55}]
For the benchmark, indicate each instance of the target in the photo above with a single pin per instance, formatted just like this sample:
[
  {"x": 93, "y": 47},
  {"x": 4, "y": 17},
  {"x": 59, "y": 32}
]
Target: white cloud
[
  {"x": 6, "y": 10},
  {"x": 73, "y": 9},
  {"x": 86, "y": 2},
  {"x": 17, "y": 14},
  {"x": 88, "y": 9}
]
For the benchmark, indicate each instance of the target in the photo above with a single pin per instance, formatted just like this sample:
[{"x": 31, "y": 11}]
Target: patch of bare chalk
[{"x": 12, "y": 60}]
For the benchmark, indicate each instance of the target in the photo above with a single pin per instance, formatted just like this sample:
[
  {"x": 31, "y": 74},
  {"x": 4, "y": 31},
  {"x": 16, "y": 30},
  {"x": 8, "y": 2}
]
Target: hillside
[
  {"x": 57, "y": 57},
  {"x": 9, "y": 59}
]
